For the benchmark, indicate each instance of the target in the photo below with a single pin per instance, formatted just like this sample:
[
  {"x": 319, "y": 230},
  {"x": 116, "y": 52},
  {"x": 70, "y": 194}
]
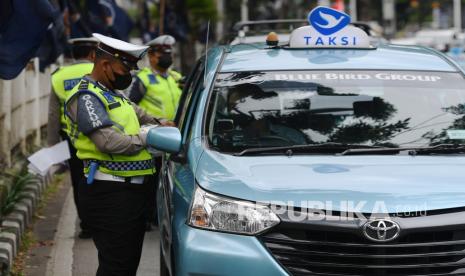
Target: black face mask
[
  {"x": 122, "y": 81},
  {"x": 165, "y": 61}
]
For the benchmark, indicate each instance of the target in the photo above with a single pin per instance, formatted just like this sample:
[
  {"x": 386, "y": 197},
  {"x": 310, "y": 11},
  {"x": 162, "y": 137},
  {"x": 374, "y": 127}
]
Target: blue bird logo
[{"x": 327, "y": 21}]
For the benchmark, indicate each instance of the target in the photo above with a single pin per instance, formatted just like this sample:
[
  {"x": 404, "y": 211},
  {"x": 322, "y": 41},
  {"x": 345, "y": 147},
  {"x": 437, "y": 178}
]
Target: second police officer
[
  {"x": 156, "y": 89},
  {"x": 106, "y": 130}
]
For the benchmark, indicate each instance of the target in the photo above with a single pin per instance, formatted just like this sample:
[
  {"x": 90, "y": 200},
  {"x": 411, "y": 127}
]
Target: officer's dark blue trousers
[{"x": 115, "y": 215}]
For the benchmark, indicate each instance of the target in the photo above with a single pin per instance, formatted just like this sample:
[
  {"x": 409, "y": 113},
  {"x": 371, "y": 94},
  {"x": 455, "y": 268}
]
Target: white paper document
[{"x": 43, "y": 159}]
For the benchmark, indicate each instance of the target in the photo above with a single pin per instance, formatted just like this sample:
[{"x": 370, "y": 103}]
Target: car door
[{"x": 175, "y": 167}]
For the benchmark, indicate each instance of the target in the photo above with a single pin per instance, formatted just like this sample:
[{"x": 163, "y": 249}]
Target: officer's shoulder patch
[
  {"x": 107, "y": 95},
  {"x": 91, "y": 113},
  {"x": 70, "y": 83},
  {"x": 152, "y": 79}
]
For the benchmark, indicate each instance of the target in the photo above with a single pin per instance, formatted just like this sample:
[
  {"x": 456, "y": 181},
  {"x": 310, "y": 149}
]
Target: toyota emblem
[{"x": 381, "y": 230}]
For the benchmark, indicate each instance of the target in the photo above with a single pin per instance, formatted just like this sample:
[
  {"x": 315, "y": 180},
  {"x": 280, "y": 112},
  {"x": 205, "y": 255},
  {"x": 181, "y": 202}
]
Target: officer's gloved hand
[
  {"x": 164, "y": 122},
  {"x": 144, "y": 130},
  {"x": 182, "y": 82}
]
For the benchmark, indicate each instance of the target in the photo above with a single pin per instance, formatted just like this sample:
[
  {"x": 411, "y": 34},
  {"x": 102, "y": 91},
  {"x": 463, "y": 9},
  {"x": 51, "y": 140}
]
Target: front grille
[{"x": 342, "y": 251}]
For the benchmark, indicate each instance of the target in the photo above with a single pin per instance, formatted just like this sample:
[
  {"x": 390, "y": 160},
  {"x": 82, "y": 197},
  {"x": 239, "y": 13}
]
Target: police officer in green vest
[
  {"x": 63, "y": 81},
  {"x": 105, "y": 128},
  {"x": 156, "y": 89}
]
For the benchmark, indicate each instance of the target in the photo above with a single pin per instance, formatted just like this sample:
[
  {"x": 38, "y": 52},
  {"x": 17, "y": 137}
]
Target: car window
[
  {"x": 187, "y": 94},
  {"x": 385, "y": 108},
  {"x": 187, "y": 109},
  {"x": 193, "y": 107}
]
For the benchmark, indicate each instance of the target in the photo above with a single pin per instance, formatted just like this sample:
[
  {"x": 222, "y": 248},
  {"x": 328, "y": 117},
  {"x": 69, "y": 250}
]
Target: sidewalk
[{"x": 60, "y": 253}]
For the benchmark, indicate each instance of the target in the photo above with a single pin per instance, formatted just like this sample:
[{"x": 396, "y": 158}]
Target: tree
[
  {"x": 458, "y": 123},
  {"x": 196, "y": 13}
]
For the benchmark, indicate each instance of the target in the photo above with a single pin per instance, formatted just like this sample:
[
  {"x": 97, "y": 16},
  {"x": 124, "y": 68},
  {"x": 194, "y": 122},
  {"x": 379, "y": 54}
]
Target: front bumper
[{"x": 202, "y": 252}]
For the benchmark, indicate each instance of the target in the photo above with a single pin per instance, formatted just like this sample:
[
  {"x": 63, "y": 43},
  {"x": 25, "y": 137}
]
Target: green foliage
[
  {"x": 18, "y": 182},
  {"x": 201, "y": 11},
  {"x": 133, "y": 13},
  {"x": 459, "y": 123},
  {"x": 153, "y": 11}
]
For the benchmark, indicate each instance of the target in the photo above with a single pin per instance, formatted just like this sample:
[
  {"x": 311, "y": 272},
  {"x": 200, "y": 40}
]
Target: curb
[{"x": 16, "y": 223}]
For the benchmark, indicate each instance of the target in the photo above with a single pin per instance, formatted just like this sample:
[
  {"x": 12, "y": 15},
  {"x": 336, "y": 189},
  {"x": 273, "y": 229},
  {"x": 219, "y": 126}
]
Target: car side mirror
[
  {"x": 167, "y": 139},
  {"x": 224, "y": 125}
]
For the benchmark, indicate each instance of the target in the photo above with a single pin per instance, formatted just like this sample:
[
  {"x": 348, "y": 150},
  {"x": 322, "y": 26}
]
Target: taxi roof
[{"x": 258, "y": 57}]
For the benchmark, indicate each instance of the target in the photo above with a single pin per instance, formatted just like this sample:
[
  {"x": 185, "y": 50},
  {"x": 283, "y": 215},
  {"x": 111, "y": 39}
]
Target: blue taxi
[{"x": 324, "y": 156}]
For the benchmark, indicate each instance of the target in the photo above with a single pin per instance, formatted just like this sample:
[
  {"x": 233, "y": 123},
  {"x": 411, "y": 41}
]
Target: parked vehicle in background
[
  {"x": 255, "y": 31},
  {"x": 439, "y": 39}
]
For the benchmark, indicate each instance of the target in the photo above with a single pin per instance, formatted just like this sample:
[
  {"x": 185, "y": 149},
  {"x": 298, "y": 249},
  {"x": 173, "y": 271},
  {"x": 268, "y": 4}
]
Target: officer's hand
[
  {"x": 144, "y": 130},
  {"x": 167, "y": 123},
  {"x": 182, "y": 82}
]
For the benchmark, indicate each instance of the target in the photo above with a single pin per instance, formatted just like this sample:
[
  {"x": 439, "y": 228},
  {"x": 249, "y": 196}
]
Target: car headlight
[{"x": 213, "y": 212}]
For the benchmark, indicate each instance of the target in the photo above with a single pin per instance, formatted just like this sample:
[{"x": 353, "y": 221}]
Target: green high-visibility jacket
[
  {"x": 162, "y": 94},
  {"x": 65, "y": 79},
  {"x": 124, "y": 118}
]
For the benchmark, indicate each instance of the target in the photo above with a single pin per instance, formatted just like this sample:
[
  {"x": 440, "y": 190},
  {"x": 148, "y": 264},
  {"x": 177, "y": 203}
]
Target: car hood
[{"x": 367, "y": 183}]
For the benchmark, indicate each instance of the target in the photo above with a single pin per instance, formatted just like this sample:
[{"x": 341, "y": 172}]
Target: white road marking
[{"x": 61, "y": 261}]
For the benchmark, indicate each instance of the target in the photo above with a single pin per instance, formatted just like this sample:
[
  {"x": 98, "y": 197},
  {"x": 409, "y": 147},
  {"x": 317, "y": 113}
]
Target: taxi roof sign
[{"x": 329, "y": 29}]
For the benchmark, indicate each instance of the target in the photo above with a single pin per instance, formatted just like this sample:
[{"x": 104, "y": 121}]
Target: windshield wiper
[
  {"x": 441, "y": 148},
  {"x": 289, "y": 150}
]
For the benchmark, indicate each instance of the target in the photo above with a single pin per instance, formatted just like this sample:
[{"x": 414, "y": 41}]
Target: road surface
[{"x": 59, "y": 252}]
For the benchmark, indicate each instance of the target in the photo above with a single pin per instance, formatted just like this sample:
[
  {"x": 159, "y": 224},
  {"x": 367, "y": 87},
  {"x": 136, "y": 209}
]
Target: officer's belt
[
  {"x": 108, "y": 177},
  {"x": 123, "y": 165}
]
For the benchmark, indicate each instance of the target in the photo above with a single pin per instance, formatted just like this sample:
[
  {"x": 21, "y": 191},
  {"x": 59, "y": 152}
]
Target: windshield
[{"x": 370, "y": 108}]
